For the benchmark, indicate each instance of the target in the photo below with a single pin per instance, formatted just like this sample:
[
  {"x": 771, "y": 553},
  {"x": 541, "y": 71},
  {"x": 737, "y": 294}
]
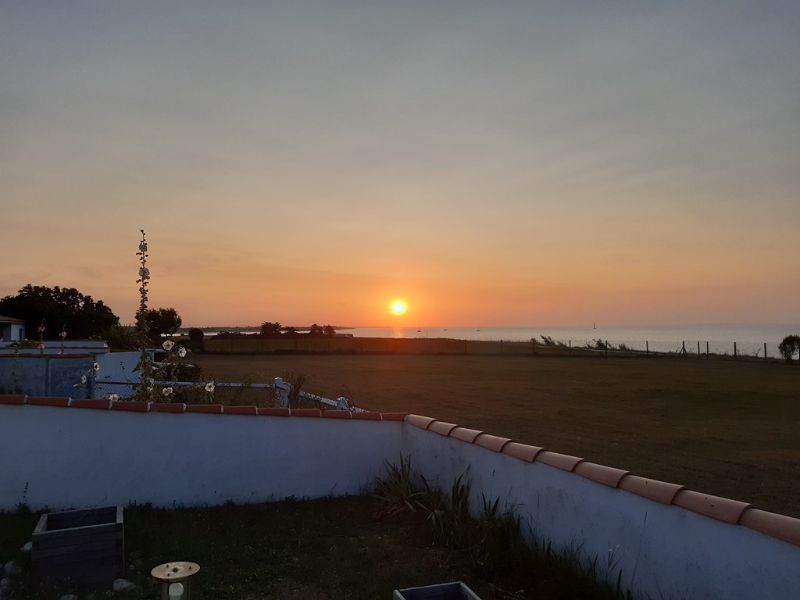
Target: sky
[{"x": 492, "y": 163}]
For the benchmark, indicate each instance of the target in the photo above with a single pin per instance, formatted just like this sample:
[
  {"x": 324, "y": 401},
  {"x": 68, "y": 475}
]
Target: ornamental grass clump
[{"x": 493, "y": 544}]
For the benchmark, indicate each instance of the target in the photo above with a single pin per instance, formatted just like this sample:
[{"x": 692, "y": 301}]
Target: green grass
[
  {"x": 719, "y": 426},
  {"x": 344, "y": 548}
]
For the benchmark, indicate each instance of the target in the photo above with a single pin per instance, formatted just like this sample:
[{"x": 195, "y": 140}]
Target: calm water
[{"x": 749, "y": 339}]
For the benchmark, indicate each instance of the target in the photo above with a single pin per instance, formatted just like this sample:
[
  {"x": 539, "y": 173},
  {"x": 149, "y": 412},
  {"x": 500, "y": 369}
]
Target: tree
[
  {"x": 196, "y": 338},
  {"x": 269, "y": 329},
  {"x": 58, "y": 309},
  {"x": 329, "y": 330},
  {"x": 162, "y": 321},
  {"x": 315, "y": 330},
  {"x": 789, "y": 345}
]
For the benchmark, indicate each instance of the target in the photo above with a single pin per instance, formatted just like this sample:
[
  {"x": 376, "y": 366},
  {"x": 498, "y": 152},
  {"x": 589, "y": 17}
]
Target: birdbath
[{"x": 174, "y": 578}]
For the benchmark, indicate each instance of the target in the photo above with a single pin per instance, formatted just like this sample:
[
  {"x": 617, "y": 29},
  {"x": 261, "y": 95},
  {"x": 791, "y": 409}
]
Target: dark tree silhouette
[
  {"x": 789, "y": 345},
  {"x": 162, "y": 321},
  {"x": 58, "y": 309},
  {"x": 196, "y": 338},
  {"x": 269, "y": 329}
]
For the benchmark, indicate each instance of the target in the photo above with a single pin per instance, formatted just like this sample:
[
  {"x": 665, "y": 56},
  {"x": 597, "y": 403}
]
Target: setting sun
[{"x": 398, "y": 307}]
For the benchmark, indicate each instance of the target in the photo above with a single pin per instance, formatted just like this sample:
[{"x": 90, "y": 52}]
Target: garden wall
[
  {"x": 43, "y": 375},
  {"x": 667, "y": 541},
  {"x": 662, "y": 549},
  {"x": 67, "y": 458}
]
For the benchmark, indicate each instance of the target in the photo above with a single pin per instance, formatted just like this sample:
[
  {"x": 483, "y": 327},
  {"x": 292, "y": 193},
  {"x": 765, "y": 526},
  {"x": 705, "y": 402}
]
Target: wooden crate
[{"x": 84, "y": 547}]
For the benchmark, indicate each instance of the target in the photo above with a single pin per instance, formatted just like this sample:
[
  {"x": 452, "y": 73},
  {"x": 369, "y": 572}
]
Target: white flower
[
  {"x": 167, "y": 391},
  {"x": 96, "y": 367},
  {"x": 181, "y": 351},
  {"x": 63, "y": 334},
  {"x": 113, "y": 397},
  {"x": 83, "y": 378},
  {"x": 210, "y": 387},
  {"x": 168, "y": 345}
]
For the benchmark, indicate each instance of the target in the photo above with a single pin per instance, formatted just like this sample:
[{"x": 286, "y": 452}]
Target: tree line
[{"x": 52, "y": 313}]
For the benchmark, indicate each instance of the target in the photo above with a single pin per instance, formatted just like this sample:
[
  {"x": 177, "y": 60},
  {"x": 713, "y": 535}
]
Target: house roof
[{"x": 6, "y": 320}]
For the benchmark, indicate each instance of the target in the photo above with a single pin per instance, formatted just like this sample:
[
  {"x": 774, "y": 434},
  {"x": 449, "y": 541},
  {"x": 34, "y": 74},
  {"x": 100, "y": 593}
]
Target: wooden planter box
[
  {"x": 442, "y": 591},
  {"x": 85, "y": 547}
]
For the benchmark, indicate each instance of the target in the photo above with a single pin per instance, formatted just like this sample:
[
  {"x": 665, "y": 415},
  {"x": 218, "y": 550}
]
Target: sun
[{"x": 398, "y": 307}]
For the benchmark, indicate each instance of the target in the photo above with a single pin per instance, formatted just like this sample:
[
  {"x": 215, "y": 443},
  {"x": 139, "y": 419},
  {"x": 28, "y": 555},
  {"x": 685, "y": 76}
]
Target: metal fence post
[{"x": 282, "y": 390}]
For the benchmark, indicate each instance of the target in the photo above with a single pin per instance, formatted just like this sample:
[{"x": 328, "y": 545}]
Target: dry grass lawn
[{"x": 718, "y": 426}]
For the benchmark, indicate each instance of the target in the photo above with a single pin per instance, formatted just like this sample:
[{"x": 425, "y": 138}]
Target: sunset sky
[{"x": 492, "y": 163}]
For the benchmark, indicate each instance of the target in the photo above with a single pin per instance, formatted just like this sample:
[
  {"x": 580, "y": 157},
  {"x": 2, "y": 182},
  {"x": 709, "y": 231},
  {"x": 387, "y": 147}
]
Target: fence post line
[
  {"x": 707, "y": 352},
  {"x": 734, "y": 349},
  {"x": 647, "y": 347},
  {"x": 765, "y": 350},
  {"x": 683, "y": 346},
  {"x": 698, "y": 348}
]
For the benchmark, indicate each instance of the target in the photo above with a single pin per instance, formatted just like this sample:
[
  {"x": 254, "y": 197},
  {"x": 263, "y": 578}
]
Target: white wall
[
  {"x": 664, "y": 551},
  {"x": 71, "y": 457},
  {"x": 76, "y": 457}
]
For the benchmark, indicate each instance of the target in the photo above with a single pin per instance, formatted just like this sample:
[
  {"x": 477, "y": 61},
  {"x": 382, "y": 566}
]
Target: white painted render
[
  {"x": 75, "y": 458},
  {"x": 69, "y": 457},
  {"x": 663, "y": 551}
]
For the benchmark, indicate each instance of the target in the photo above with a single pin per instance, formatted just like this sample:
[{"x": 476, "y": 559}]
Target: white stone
[
  {"x": 27, "y": 547},
  {"x": 123, "y": 585},
  {"x": 12, "y": 569}
]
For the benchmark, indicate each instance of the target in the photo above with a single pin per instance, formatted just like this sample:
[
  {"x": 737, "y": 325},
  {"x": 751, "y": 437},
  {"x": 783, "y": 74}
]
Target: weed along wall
[
  {"x": 75, "y": 457},
  {"x": 667, "y": 542}
]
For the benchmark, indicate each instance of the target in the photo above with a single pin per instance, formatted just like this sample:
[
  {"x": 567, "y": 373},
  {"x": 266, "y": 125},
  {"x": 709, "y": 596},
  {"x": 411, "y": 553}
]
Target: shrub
[
  {"x": 789, "y": 345},
  {"x": 120, "y": 337},
  {"x": 196, "y": 339}
]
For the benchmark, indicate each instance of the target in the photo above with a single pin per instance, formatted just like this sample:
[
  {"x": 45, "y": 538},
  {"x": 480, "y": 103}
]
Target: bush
[
  {"x": 120, "y": 337},
  {"x": 196, "y": 339},
  {"x": 789, "y": 345}
]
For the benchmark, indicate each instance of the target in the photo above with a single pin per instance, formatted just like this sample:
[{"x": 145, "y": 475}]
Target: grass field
[{"x": 718, "y": 426}]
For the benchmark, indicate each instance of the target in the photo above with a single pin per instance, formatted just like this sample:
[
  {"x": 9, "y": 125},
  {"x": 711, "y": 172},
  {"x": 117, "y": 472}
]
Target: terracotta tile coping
[
  {"x": 47, "y": 355},
  {"x": 179, "y": 408},
  {"x": 734, "y": 512}
]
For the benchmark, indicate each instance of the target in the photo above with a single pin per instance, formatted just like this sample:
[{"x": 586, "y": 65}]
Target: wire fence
[{"x": 680, "y": 347}]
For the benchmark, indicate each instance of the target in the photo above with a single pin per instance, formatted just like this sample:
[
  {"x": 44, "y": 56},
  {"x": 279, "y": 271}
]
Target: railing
[{"x": 282, "y": 391}]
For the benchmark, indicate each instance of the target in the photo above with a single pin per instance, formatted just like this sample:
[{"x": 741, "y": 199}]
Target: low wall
[
  {"x": 662, "y": 550},
  {"x": 62, "y": 458},
  {"x": 666, "y": 541},
  {"x": 45, "y": 375}
]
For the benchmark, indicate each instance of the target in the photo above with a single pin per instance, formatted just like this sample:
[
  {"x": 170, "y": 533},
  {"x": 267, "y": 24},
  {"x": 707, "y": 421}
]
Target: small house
[{"x": 11, "y": 329}]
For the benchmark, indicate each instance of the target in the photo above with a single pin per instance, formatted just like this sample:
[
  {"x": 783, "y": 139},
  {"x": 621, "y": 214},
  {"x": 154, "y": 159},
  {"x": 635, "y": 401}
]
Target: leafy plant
[
  {"x": 396, "y": 492},
  {"x": 297, "y": 381}
]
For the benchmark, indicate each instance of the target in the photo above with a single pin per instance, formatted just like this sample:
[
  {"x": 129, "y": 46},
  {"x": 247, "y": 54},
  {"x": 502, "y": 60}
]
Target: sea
[{"x": 719, "y": 339}]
